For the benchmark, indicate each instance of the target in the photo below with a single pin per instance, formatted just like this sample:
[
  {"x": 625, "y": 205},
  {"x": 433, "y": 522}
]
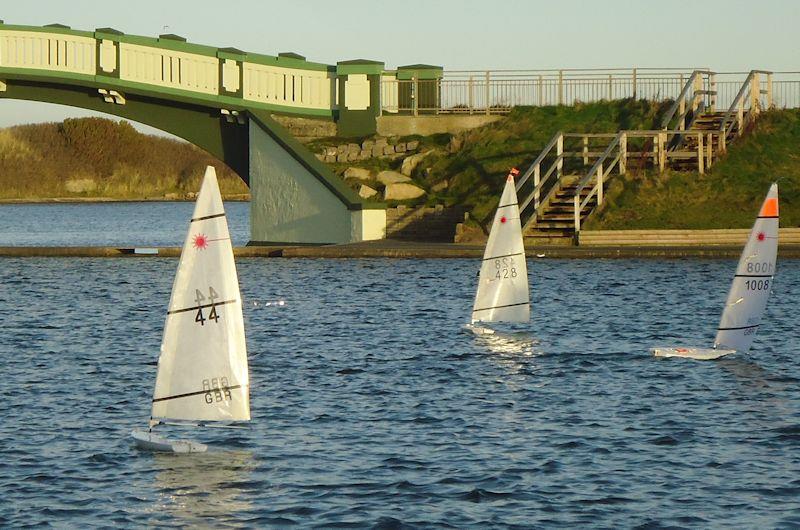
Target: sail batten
[
  {"x": 202, "y": 370},
  {"x": 503, "y": 293}
]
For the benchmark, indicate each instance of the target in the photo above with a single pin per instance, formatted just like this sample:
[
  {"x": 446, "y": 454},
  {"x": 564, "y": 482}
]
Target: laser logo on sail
[{"x": 200, "y": 241}]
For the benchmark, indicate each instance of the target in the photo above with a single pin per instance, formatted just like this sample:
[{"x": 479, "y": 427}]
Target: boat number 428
[{"x": 504, "y": 268}]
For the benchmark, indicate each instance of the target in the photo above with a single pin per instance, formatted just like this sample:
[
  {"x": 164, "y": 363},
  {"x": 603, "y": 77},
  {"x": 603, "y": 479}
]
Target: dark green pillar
[
  {"x": 359, "y": 85},
  {"x": 420, "y": 88}
]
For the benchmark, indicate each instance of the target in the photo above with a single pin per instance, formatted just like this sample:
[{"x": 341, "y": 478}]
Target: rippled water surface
[{"x": 372, "y": 408}]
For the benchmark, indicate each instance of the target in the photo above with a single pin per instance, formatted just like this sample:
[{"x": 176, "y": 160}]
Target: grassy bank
[
  {"x": 96, "y": 157},
  {"x": 469, "y": 169},
  {"x": 728, "y": 196}
]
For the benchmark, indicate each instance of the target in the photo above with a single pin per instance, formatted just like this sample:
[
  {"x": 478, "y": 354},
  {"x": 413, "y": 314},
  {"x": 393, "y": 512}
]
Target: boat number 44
[{"x": 200, "y": 299}]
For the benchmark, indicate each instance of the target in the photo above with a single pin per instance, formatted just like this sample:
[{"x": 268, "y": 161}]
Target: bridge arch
[{"x": 217, "y": 99}]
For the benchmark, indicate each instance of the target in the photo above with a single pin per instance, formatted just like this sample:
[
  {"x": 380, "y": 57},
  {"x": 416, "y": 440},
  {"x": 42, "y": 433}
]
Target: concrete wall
[
  {"x": 288, "y": 203},
  {"x": 427, "y": 125}
]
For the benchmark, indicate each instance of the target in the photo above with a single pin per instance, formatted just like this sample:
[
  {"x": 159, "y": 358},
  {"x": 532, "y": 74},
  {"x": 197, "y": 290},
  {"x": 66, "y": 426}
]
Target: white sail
[
  {"x": 751, "y": 286},
  {"x": 202, "y": 370},
  {"x": 503, "y": 294}
]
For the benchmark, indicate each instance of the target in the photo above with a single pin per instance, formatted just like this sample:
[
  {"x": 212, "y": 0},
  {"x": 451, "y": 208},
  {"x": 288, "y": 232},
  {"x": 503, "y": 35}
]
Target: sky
[{"x": 724, "y": 35}]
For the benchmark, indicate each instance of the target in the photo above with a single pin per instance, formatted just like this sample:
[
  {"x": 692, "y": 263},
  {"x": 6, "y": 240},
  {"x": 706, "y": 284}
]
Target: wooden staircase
[
  {"x": 556, "y": 223},
  {"x": 558, "y": 194}
]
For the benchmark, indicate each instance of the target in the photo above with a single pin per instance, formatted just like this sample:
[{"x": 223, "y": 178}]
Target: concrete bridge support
[{"x": 295, "y": 198}]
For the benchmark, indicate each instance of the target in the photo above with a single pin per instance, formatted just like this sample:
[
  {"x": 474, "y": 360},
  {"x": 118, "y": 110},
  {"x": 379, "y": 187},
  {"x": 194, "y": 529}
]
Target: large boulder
[
  {"x": 411, "y": 162},
  {"x": 392, "y": 177},
  {"x": 358, "y": 173},
  {"x": 365, "y": 192},
  {"x": 401, "y": 191}
]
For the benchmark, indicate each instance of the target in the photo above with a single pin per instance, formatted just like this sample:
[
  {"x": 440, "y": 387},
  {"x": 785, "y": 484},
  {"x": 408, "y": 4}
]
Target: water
[
  {"x": 112, "y": 224},
  {"x": 371, "y": 408}
]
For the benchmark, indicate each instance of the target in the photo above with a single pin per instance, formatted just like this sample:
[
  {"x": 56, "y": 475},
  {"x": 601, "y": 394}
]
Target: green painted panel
[
  {"x": 420, "y": 71},
  {"x": 44, "y": 29},
  {"x": 359, "y": 66}
]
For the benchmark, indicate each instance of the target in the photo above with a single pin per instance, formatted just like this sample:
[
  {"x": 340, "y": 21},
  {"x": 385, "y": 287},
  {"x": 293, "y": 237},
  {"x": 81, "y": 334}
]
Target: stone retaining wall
[{"x": 375, "y": 148}]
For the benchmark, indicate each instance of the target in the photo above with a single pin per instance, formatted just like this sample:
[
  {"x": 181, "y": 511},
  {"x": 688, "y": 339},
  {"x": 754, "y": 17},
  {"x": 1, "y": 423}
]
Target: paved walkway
[{"x": 404, "y": 249}]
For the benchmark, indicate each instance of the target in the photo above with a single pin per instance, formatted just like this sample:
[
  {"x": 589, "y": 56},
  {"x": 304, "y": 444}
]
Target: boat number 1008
[
  {"x": 504, "y": 268},
  {"x": 756, "y": 285}
]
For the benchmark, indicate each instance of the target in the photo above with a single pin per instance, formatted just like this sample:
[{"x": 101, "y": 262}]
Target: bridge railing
[
  {"x": 498, "y": 91},
  {"x": 169, "y": 62}
]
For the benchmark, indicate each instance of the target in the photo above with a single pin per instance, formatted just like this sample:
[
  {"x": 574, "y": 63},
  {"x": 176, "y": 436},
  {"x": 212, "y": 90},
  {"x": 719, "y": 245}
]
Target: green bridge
[{"x": 222, "y": 100}]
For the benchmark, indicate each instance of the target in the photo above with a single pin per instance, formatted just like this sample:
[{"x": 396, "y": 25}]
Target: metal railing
[
  {"x": 754, "y": 95},
  {"x": 498, "y": 91},
  {"x": 698, "y": 94}
]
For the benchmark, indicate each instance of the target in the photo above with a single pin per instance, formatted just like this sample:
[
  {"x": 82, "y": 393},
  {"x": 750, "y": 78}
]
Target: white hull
[
  {"x": 700, "y": 354},
  {"x": 478, "y": 330},
  {"x": 153, "y": 442}
]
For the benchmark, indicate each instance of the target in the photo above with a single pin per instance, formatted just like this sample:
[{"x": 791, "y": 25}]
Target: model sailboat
[
  {"x": 749, "y": 292},
  {"x": 202, "y": 371},
  {"x": 503, "y": 293}
]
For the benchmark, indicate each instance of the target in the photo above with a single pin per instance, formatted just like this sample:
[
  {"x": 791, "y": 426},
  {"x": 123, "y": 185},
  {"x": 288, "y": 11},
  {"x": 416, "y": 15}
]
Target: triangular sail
[
  {"x": 751, "y": 286},
  {"x": 503, "y": 293},
  {"x": 202, "y": 371}
]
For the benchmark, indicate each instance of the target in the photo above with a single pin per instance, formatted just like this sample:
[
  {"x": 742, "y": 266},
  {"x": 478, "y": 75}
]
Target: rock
[
  {"x": 353, "y": 148},
  {"x": 357, "y": 173},
  {"x": 392, "y": 177},
  {"x": 380, "y": 142},
  {"x": 400, "y": 148},
  {"x": 469, "y": 234},
  {"x": 341, "y": 157},
  {"x": 411, "y": 162},
  {"x": 377, "y": 150},
  {"x": 330, "y": 159},
  {"x": 366, "y": 192},
  {"x": 364, "y": 155},
  {"x": 367, "y": 145},
  {"x": 412, "y": 145},
  {"x": 330, "y": 151},
  {"x": 171, "y": 196},
  {"x": 401, "y": 191},
  {"x": 388, "y": 149},
  {"x": 440, "y": 186},
  {"x": 320, "y": 157},
  {"x": 342, "y": 149}
]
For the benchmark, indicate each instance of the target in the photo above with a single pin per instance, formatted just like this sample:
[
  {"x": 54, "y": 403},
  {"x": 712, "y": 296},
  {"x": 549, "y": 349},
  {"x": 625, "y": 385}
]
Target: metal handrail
[
  {"x": 538, "y": 161},
  {"x": 539, "y": 186},
  {"x": 606, "y": 172},
  {"x": 723, "y": 128},
  {"x": 585, "y": 180},
  {"x": 674, "y": 108}
]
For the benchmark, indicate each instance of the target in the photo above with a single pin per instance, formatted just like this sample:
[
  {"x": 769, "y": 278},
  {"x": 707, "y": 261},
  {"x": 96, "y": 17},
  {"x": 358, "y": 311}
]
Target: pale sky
[{"x": 724, "y": 35}]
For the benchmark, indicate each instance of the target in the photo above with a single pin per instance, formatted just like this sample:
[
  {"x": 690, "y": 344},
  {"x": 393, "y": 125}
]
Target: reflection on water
[
  {"x": 201, "y": 488},
  {"x": 510, "y": 343}
]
